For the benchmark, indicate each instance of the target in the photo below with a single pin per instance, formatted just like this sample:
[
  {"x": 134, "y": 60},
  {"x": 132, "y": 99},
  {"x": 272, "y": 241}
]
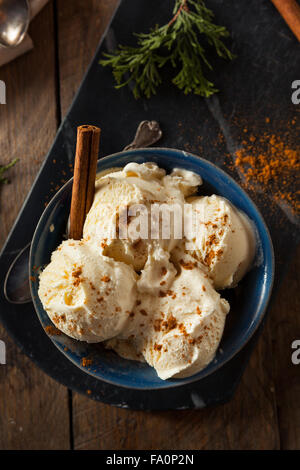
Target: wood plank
[
  {"x": 286, "y": 328},
  {"x": 33, "y": 408},
  {"x": 251, "y": 417},
  {"x": 81, "y": 24},
  {"x": 249, "y": 421}
]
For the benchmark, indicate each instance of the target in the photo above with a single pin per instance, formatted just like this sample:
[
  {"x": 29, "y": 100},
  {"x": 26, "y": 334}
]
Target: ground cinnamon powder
[
  {"x": 51, "y": 330},
  {"x": 85, "y": 362},
  {"x": 270, "y": 163}
]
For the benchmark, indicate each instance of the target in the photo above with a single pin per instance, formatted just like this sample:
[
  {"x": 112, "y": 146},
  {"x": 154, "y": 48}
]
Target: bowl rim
[{"x": 250, "y": 331}]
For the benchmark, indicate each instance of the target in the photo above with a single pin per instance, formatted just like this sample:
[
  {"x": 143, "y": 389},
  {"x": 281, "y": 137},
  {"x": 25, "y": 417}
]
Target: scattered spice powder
[
  {"x": 188, "y": 265},
  {"x": 51, "y": 330},
  {"x": 157, "y": 324},
  {"x": 182, "y": 329},
  {"x": 85, "y": 362},
  {"x": 209, "y": 257},
  {"x": 212, "y": 240},
  {"x": 270, "y": 162},
  {"x": 170, "y": 323},
  {"x": 76, "y": 273}
]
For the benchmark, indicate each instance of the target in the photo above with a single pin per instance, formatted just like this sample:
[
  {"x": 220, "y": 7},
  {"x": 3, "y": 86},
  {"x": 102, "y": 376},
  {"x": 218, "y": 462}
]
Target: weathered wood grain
[
  {"x": 247, "y": 422},
  {"x": 285, "y": 324},
  {"x": 33, "y": 408},
  {"x": 81, "y": 24}
]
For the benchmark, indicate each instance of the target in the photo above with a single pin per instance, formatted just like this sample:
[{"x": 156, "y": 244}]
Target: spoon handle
[{"x": 148, "y": 132}]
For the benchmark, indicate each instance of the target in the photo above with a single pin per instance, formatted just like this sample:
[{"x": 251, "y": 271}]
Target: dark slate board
[{"x": 256, "y": 85}]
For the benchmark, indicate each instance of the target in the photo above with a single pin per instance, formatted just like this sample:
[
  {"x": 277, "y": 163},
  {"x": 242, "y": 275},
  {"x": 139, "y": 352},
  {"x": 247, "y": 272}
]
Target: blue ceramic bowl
[{"x": 248, "y": 302}]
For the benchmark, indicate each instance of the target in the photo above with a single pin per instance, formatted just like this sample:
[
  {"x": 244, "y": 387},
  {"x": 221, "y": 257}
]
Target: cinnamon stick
[
  {"x": 92, "y": 168},
  {"x": 290, "y": 12},
  {"x": 84, "y": 177}
]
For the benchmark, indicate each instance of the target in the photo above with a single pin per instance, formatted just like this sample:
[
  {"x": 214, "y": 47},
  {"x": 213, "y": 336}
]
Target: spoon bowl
[
  {"x": 14, "y": 21},
  {"x": 16, "y": 284}
]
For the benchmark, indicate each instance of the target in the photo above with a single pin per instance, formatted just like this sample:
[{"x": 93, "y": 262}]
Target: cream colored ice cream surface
[
  {"x": 224, "y": 240},
  {"x": 120, "y": 201},
  {"x": 87, "y": 296},
  {"x": 149, "y": 296},
  {"x": 178, "y": 330}
]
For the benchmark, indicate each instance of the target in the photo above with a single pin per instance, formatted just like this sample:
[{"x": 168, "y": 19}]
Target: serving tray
[{"x": 255, "y": 96}]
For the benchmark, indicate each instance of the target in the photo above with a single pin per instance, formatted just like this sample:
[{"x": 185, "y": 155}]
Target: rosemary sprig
[
  {"x": 179, "y": 43},
  {"x": 4, "y": 168}
]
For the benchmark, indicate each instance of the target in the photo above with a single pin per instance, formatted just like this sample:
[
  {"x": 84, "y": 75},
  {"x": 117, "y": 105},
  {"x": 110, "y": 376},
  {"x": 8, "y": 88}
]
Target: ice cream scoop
[
  {"x": 86, "y": 295},
  {"x": 176, "y": 331},
  {"x": 223, "y": 240},
  {"x": 123, "y": 197},
  {"x": 108, "y": 220}
]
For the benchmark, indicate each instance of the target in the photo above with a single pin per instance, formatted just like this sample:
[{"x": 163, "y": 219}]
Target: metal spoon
[
  {"x": 14, "y": 21},
  {"x": 16, "y": 283}
]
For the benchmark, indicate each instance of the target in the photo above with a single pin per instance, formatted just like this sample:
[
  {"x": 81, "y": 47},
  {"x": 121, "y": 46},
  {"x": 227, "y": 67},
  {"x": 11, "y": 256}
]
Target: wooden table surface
[{"x": 35, "y": 411}]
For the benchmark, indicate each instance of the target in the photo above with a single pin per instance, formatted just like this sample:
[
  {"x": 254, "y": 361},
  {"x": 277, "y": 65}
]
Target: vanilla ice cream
[
  {"x": 176, "y": 331},
  {"x": 158, "y": 273},
  {"x": 138, "y": 283},
  {"x": 120, "y": 199},
  {"x": 87, "y": 296},
  {"x": 224, "y": 240},
  {"x": 187, "y": 182}
]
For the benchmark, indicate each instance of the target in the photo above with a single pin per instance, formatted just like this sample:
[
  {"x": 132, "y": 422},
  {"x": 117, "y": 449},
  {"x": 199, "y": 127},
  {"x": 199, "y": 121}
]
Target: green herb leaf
[
  {"x": 179, "y": 43},
  {"x": 3, "y": 169}
]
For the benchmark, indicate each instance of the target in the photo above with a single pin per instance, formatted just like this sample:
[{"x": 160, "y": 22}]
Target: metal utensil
[
  {"x": 147, "y": 134},
  {"x": 14, "y": 21},
  {"x": 16, "y": 283}
]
